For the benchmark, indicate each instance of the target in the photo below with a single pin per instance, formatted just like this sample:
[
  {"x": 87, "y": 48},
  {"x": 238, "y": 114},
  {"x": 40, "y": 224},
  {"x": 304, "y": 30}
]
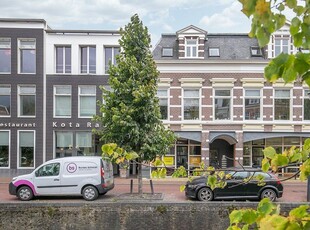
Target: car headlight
[{"x": 192, "y": 186}]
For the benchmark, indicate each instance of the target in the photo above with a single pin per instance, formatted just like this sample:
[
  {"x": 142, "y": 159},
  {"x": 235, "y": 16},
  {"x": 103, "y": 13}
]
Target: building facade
[
  {"x": 211, "y": 90},
  {"x": 213, "y": 95}
]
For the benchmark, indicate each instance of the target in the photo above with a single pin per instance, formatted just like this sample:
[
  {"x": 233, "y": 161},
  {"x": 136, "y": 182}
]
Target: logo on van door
[{"x": 71, "y": 167}]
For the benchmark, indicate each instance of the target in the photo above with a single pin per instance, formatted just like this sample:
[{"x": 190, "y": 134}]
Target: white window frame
[
  {"x": 87, "y": 57},
  {"x": 26, "y": 48},
  {"x": 63, "y": 58},
  {"x": 18, "y": 149},
  {"x": 253, "y": 97},
  {"x": 183, "y": 104},
  {"x": 167, "y": 52},
  {"x": 87, "y": 95},
  {"x": 305, "y": 97},
  {"x": 9, "y": 159},
  {"x": 168, "y": 101},
  {"x": 191, "y": 47},
  {"x": 6, "y": 47},
  {"x": 223, "y": 97},
  {"x": 281, "y": 37},
  {"x": 290, "y": 104},
  {"x": 113, "y": 58},
  {"x": 59, "y": 95},
  {"x": 18, "y": 100},
  {"x": 10, "y": 99}
]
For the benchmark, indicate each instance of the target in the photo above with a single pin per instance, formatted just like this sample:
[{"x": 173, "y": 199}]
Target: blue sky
[{"x": 160, "y": 16}]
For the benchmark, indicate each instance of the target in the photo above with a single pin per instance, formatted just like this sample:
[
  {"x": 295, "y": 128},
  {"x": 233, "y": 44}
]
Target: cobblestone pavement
[{"x": 294, "y": 191}]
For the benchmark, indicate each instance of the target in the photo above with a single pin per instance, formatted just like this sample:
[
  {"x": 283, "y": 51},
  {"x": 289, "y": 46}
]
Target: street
[{"x": 294, "y": 191}]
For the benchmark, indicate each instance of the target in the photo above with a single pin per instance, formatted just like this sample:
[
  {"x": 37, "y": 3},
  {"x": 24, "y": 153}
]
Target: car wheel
[
  {"x": 205, "y": 194},
  {"x": 24, "y": 193},
  {"x": 269, "y": 193},
  {"x": 90, "y": 193}
]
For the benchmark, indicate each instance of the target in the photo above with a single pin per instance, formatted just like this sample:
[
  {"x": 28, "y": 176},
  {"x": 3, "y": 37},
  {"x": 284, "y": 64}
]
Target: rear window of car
[{"x": 265, "y": 175}]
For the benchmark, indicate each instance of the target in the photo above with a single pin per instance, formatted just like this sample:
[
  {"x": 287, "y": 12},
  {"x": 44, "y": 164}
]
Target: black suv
[{"x": 237, "y": 187}]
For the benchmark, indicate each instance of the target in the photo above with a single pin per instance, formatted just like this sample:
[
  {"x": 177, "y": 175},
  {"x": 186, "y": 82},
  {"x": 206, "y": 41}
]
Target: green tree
[
  {"x": 267, "y": 17},
  {"x": 131, "y": 113}
]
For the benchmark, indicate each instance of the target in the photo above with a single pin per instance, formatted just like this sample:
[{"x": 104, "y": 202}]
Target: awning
[
  {"x": 230, "y": 137},
  {"x": 192, "y": 135},
  {"x": 251, "y": 136}
]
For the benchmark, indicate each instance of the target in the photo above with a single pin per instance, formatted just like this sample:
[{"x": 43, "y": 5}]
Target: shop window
[
  {"x": 27, "y": 101},
  {"x": 5, "y": 101},
  {"x": 27, "y": 56},
  {"x": 87, "y": 101},
  {"x": 282, "y": 105},
  {"x": 252, "y": 105},
  {"x": 191, "y": 104},
  {"x": 85, "y": 144},
  {"x": 62, "y": 101},
  {"x": 247, "y": 161},
  {"x": 306, "y": 106},
  {"x": 163, "y": 98},
  {"x": 26, "y": 149},
  {"x": 4, "y": 149},
  {"x": 222, "y": 104},
  {"x": 5, "y": 55},
  {"x": 64, "y": 144},
  {"x": 63, "y": 59},
  {"x": 110, "y": 56},
  {"x": 88, "y": 59}
]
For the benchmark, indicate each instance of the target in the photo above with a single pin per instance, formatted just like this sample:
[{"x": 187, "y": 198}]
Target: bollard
[
  {"x": 152, "y": 189},
  {"x": 131, "y": 185}
]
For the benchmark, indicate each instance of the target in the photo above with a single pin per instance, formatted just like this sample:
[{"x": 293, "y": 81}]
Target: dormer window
[
  {"x": 191, "y": 47},
  {"x": 214, "y": 52},
  {"x": 167, "y": 52},
  {"x": 256, "y": 51}
]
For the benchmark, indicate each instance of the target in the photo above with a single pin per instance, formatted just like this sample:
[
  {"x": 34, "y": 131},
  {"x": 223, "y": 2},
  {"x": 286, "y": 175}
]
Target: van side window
[{"x": 48, "y": 170}]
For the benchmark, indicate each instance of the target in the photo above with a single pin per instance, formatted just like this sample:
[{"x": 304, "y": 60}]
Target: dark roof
[
  {"x": 22, "y": 20},
  {"x": 231, "y": 46}
]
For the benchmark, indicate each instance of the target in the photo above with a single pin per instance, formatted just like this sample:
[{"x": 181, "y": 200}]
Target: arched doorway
[{"x": 222, "y": 148}]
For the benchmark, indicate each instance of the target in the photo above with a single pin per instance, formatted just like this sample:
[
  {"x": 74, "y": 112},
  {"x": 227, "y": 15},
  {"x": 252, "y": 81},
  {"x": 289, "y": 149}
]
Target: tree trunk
[{"x": 140, "y": 178}]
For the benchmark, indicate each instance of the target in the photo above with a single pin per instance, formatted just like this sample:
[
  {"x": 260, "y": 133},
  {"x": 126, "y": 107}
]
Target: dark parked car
[{"x": 236, "y": 187}]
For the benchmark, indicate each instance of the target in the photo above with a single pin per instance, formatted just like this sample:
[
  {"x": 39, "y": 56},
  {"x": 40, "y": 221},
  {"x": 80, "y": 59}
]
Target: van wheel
[
  {"x": 90, "y": 193},
  {"x": 24, "y": 193}
]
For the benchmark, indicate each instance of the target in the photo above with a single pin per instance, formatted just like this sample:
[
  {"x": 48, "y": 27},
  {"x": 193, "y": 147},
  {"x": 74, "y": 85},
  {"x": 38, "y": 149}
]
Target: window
[
  {"x": 191, "y": 47},
  {"x": 281, "y": 44},
  {"x": 162, "y": 95},
  {"x": 62, "y": 101},
  {"x": 5, "y": 100},
  {"x": 306, "y": 104},
  {"x": 282, "y": 105},
  {"x": 64, "y": 144},
  {"x": 222, "y": 103},
  {"x": 191, "y": 104},
  {"x": 63, "y": 59},
  {"x": 27, "y": 56},
  {"x": 26, "y": 149},
  {"x": 85, "y": 144},
  {"x": 4, "y": 149},
  {"x": 87, "y": 101},
  {"x": 252, "y": 105},
  {"x": 48, "y": 170},
  {"x": 214, "y": 52},
  {"x": 5, "y": 55},
  {"x": 167, "y": 52},
  {"x": 247, "y": 161},
  {"x": 256, "y": 51},
  {"x": 110, "y": 56},
  {"x": 88, "y": 59},
  {"x": 27, "y": 101}
]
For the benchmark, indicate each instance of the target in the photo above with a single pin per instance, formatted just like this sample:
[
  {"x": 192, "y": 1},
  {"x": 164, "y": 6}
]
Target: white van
[{"x": 86, "y": 176}]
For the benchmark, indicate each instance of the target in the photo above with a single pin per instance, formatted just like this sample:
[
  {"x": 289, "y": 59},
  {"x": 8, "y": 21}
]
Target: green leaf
[
  {"x": 212, "y": 182},
  {"x": 296, "y": 157},
  {"x": 263, "y": 36},
  {"x": 271, "y": 72},
  {"x": 306, "y": 78},
  {"x": 269, "y": 152},
  {"x": 273, "y": 222},
  {"x": 250, "y": 216},
  {"x": 265, "y": 207},
  {"x": 182, "y": 188},
  {"x": 300, "y": 212},
  {"x": 281, "y": 7},
  {"x": 302, "y": 62},
  {"x": 236, "y": 216},
  {"x": 295, "y": 25},
  {"x": 248, "y": 7},
  {"x": 282, "y": 160},
  {"x": 265, "y": 165},
  {"x": 291, "y": 3}
]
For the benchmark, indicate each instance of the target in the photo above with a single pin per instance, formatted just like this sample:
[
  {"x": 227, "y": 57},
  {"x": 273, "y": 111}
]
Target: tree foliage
[
  {"x": 267, "y": 17},
  {"x": 131, "y": 114}
]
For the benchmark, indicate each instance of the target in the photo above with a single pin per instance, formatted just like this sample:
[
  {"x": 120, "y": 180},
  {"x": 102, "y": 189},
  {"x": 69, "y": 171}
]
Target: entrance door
[{"x": 182, "y": 156}]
